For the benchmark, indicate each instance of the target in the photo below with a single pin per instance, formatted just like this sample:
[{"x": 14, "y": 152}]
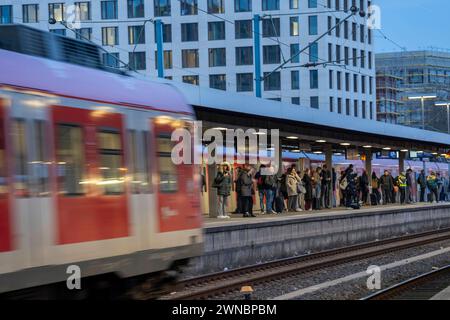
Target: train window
[
  {"x": 70, "y": 160},
  {"x": 41, "y": 161},
  {"x": 138, "y": 170},
  {"x": 111, "y": 162},
  {"x": 20, "y": 157},
  {"x": 168, "y": 177}
]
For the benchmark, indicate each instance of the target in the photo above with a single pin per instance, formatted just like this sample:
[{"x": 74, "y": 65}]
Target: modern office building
[
  {"x": 211, "y": 43},
  {"x": 418, "y": 74}
]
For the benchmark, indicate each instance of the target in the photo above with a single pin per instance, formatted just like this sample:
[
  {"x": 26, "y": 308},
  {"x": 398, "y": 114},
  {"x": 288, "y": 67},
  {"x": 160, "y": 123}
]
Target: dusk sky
[{"x": 414, "y": 24}]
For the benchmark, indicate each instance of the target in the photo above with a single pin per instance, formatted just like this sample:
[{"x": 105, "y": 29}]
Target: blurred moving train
[{"x": 86, "y": 176}]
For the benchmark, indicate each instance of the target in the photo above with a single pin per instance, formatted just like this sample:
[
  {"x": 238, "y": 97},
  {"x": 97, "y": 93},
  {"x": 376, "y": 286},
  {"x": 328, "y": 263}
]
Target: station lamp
[
  {"x": 345, "y": 144},
  {"x": 321, "y": 141}
]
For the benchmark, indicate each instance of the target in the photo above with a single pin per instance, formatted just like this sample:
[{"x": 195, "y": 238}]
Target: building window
[
  {"x": 135, "y": 8},
  {"x": 83, "y": 11},
  {"x": 355, "y": 108},
  {"x": 312, "y": 25},
  {"x": 137, "y": 60},
  {"x": 339, "y": 80},
  {"x": 30, "y": 13},
  {"x": 294, "y": 26},
  {"x": 216, "y": 30},
  {"x": 216, "y": 6},
  {"x": 271, "y": 27},
  {"x": 61, "y": 32},
  {"x": 5, "y": 14},
  {"x": 347, "y": 107},
  {"x": 293, "y": 4},
  {"x": 244, "y": 82},
  {"x": 56, "y": 11},
  {"x": 354, "y": 31},
  {"x": 364, "y": 111},
  {"x": 168, "y": 63},
  {"x": 217, "y": 57},
  {"x": 271, "y": 54},
  {"x": 110, "y": 36},
  {"x": 295, "y": 56},
  {"x": 162, "y": 8},
  {"x": 330, "y": 79},
  {"x": 362, "y": 35},
  {"x": 339, "y": 105},
  {"x": 111, "y": 59},
  {"x": 270, "y": 5},
  {"x": 188, "y": 7},
  {"x": 330, "y": 52},
  {"x": 189, "y": 32},
  {"x": 331, "y": 104},
  {"x": 355, "y": 83},
  {"x": 363, "y": 59},
  {"x": 346, "y": 29},
  {"x": 191, "y": 80},
  {"x": 84, "y": 34},
  {"x": 167, "y": 33},
  {"x": 295, "y": 80},
  {"x": 355, "y": 57},
  {"x": 313, "y": 79},
  {"x": 370, "y": 85},
  {"x": 370, "y": 60},
  {"x": 338, "y": 53},
  {"x": 189, "y": 58},
  {"x": 347, "y": 81},
  {"x": 312, "y": 3},
  {"x": 109, "y": 9},
  {"x": 136, "y": 35},
  {"x": 346, "y": 56},
  {"x": 314, "y": 52},
  {"x": 243, "y": 29},
  {"x": 295, "y": 100},
  {"x": 363, "y": 84},
  {"x": 272, "y": 82},
  {"x": 371, "y": 110},
  {"x": 244, "y": 56},
  {"x": 314, "y": 102},
  {"x": 218, "y": 81},
  {"x": 242, "y": 5}
]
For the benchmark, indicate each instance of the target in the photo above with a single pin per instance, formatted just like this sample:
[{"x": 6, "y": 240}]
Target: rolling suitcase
[
  {"x": 373, "y": 199},
  {"x": 279, "y": 204}
]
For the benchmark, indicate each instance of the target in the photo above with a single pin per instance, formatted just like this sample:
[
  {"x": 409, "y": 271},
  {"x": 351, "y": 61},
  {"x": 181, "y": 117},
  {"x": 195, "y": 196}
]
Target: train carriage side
[{"x": 85, "y": 178}]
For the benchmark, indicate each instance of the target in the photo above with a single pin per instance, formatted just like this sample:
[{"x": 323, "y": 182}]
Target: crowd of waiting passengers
[{"x": 322, "y": 188}]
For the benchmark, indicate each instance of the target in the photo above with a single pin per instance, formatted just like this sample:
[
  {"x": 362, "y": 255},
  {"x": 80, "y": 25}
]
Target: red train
[{"x": 86, "y": 179}]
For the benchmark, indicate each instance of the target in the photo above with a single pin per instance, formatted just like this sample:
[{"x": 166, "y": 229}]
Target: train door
[
  {"x": 177, "y": 189},
  {"x": 6, "y": 244},
  {"x": 139, "y": 168},
  {"x": 89, "y": 177}
]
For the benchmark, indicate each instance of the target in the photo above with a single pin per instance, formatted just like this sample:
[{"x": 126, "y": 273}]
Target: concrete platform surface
[
  {"x": 238, "y": 241},
  {"x": 443, "y": 295}
]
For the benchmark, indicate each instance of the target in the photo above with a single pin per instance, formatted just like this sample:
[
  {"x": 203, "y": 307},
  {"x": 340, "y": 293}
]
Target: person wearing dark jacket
[
  {"x": 326, "y": 187},
  {"x": 246, "y": 181},
  {"x": 307, "y": 182},
  {"x": 387, "y": 187},
  {"x": 376, "y": 187},
  {"x": 223, "y": 184},
  {"x": 422, "y": 182},
  {"x": 364, "y": 187},
  {"x": 237, "y": 183}
]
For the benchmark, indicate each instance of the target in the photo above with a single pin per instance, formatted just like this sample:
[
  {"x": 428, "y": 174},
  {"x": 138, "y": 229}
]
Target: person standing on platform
[
  {"x": 261, "y": 190},
  {"x": 333, "y": 184},
  {"x": 402, "y": 184},
  {"x": 387, "y": 187},
  {"x": 364, "y": 187},
  {"x": 246, "y": 181},
  {"x": 269, "y": 187},
  {"x": 326, "y": 187},
  {"x": 307, "y": 183},
  {"x": 440, "y": 183},
  {"x": 422, "y": 183},
  {"x": 376, "y": 189},
  {"x": 292, "y": 181},
  {"x": 432, "y": 184},
  {"x": 223, "y": 184},
  {"x": 317, "y": 188},
  {"x": 409, "y": 186}
]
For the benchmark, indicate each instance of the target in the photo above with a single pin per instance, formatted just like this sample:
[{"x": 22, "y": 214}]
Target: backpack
[{"x": 343, "y": 184}]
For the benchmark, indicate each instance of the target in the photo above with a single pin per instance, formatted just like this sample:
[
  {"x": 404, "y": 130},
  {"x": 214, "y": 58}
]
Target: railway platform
[{"x": 238, "y": 241}]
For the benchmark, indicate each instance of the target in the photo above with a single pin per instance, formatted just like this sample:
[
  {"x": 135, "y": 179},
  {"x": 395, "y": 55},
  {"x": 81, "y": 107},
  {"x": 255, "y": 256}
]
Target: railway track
[
  {"x": 219, "y": 284},
  {"x": 422, "y": 287}
]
